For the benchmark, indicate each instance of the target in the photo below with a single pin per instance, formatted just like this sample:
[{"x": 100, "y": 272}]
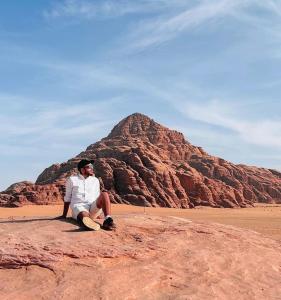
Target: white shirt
[{"x": 81, "y": 190}]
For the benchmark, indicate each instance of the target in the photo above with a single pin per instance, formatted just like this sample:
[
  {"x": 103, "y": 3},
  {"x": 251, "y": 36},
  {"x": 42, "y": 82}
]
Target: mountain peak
[
  {"x": 141, "y": 126},
  {"x": 136, "y": 123}
]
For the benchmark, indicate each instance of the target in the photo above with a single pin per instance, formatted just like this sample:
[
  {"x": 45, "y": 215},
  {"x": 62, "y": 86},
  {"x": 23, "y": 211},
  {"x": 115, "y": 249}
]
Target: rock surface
[
  {"x": 143, "y": 163},
  {"x": 147, "y": 257}
]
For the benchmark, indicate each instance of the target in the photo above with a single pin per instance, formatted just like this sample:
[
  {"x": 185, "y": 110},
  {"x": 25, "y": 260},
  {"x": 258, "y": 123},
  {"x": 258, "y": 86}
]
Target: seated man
[{"x": 85, "y": 199}]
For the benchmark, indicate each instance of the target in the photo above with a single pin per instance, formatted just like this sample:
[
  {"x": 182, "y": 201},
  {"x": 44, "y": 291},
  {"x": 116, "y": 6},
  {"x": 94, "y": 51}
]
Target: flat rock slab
[{"x": 147, "y": 257}]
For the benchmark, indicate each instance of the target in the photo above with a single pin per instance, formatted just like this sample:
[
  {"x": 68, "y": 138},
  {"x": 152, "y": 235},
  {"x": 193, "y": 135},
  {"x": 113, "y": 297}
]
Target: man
[{"x": 85, "y": 199}]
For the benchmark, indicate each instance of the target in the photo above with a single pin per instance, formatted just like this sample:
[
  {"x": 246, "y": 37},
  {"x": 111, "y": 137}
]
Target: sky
[{"x": 72, "y": 69}]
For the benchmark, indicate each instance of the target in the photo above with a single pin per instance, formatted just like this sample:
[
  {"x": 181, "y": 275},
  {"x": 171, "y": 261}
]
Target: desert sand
[{"x": 155, "y": 253}]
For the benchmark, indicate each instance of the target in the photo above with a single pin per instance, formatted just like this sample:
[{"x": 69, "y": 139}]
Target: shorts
[{"x": 90, "y": 208}]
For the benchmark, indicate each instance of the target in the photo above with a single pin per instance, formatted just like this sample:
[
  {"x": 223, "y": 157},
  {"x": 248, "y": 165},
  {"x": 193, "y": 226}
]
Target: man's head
[{"x": 85, "y": 167}]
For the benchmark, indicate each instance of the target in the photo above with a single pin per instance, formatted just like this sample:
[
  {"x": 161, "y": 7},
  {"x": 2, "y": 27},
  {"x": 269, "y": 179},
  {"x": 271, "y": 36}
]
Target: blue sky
[{"x": 70, "y": 70}]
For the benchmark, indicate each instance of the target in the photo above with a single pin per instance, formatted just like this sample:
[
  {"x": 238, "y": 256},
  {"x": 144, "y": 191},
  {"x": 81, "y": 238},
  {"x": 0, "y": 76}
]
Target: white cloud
[
  {"x": 84, "y": 9},
  {"x": 262, "y": 132},
  {"x": 165, "y": 20},
  {"x": 169, "y": 25},
  {"x": 166, "y": 28},
  {"x": 53, "y": 121}
]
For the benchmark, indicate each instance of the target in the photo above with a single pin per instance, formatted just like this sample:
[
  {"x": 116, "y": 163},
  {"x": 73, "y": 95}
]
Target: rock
[
  {"x": 144, "y": 163},
  {"x": 24, "y": 193},
  {"x": 147, "y": 257}
]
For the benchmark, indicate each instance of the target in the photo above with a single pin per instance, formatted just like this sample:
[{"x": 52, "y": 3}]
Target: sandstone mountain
[{"x": 144, "y": 163}]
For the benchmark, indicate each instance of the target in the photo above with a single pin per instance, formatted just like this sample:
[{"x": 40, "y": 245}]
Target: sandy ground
[{"x": 263, "y": 218}]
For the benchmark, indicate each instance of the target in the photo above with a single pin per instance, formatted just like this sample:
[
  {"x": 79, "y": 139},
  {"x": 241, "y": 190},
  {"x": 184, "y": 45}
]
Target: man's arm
[
  {"x": 65, "y": 209},
  {"x": 67, "y": 198}
]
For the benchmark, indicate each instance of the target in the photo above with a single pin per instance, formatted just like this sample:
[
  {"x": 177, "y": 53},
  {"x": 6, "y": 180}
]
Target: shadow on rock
[{"x": 12, "y": 220}]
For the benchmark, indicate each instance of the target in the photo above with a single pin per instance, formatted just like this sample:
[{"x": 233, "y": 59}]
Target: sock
[{"x": 108, "y": 216}]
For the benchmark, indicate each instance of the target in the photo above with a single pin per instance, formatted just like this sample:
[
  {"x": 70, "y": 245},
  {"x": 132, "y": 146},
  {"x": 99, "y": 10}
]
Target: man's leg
[
  {"x": 81, "y": 215},
  {"x": 103, "y": 202},
  {"x": 84, "y": 219}
]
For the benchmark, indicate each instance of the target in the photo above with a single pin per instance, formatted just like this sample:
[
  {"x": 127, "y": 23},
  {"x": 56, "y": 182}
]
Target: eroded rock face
[
  {"x": 147, "y": 257},
  {"x": 143, "y": 163},
  {"x": 24, "y": 193}
]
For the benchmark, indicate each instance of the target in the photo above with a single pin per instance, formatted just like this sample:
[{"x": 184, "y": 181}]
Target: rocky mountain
[{"x": 144, "y": 163}]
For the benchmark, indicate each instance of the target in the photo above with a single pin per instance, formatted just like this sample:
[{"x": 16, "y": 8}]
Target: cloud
[
  {"x": 263, "y": 132},
  {"x": 33, "y": 123},
  {"x": 83, "y": 9},
  {"x": 167, "y": 26},
  {"x": 164, "y": 20}
]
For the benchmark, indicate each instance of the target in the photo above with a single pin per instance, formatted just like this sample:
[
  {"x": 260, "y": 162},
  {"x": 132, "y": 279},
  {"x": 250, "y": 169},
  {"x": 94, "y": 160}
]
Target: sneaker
[
  {"x": 90, "y": 224},
  {"x": 108, "y": 224}
]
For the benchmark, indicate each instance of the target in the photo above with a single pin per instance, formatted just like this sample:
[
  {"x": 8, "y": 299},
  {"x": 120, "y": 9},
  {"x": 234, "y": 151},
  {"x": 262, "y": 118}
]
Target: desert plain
[{"x": 263, "y": 218}]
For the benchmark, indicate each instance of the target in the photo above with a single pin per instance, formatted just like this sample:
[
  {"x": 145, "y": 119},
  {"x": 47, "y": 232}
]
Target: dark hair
[{"x": 82, "y": 163}]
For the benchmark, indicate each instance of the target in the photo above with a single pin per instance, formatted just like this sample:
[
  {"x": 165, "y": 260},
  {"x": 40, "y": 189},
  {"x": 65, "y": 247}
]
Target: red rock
[
  {"x": 147, "y": 257},
  {"x": 141, "y": 162}
]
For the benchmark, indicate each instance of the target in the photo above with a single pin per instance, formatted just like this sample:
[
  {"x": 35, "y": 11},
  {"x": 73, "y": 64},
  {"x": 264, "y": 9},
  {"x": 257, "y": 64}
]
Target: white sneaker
[{"x": 90, "y": 224}]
